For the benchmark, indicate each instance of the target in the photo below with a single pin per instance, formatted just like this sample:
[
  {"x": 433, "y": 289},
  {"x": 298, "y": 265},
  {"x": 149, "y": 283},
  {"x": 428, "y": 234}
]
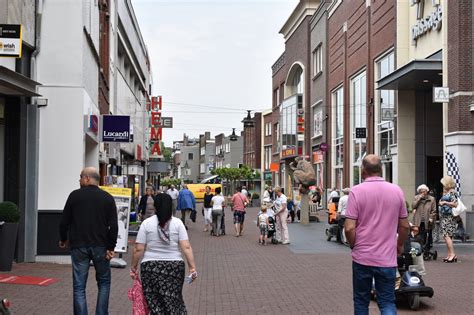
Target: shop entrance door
[{"x": 434, "y": 173}]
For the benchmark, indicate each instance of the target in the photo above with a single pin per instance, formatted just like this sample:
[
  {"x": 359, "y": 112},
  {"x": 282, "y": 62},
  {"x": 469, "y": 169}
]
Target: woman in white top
[
  {"x": 162, "y": 268},
  {"x": 218, "y": 204}
]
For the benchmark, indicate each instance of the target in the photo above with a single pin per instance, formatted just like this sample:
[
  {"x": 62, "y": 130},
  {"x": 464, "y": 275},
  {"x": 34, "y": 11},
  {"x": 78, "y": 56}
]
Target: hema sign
[{"x": 115, "y": 128}]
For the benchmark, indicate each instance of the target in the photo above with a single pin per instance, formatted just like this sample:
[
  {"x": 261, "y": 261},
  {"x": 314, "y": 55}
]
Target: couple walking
[{"x": 159, "y": 244}]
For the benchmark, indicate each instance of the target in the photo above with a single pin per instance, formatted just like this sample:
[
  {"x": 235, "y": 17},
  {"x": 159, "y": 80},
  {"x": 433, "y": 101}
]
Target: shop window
[
  {"x": 338, "y": 136},
  {"x": 359, "y": 120},
  {"x": 385, "y": 116}
]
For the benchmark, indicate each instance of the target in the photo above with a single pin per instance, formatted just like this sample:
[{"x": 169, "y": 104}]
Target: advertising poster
[{"x": 122, "y": 198}]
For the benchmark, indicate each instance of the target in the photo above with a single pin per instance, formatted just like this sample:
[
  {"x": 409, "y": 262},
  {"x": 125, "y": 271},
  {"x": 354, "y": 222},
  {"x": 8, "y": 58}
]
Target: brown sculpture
[{"x": 303, "y": 174}]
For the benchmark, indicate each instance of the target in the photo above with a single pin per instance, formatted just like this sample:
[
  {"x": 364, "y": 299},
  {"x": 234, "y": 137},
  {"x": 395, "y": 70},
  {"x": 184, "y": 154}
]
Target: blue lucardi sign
[{"x": 115, "y": 128}]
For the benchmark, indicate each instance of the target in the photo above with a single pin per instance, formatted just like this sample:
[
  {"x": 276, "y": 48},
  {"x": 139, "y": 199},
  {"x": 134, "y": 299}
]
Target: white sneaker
[{"x": 286, "y": 242}]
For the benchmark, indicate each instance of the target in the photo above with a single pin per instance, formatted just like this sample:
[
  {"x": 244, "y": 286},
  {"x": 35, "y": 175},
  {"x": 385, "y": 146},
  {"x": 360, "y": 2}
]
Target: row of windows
[{"x": 385, "y": 113}]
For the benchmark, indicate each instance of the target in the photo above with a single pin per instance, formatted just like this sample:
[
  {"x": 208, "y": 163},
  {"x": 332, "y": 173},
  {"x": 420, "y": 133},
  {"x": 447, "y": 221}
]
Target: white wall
[
  {"x": 69, "y": 74},
  {"x": 61, "y": 149}
]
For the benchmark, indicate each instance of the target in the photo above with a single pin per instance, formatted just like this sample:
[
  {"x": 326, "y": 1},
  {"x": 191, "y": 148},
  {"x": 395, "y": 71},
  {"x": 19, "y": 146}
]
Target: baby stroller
[
  {"x": 222, "y": 225},
  {"x": 334, "y": 229},
  {"x": 271, "y": 234},
  {"x": 411, "y": 286}
]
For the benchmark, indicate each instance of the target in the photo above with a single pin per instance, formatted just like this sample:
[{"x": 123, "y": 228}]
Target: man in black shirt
[{"x": 89, "y": 227}]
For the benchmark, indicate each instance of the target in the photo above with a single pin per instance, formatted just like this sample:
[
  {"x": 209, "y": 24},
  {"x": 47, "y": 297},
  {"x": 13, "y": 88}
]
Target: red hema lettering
[
  {"x": 156, "y": 149},
  {"x": 156, "y": 119},
  {"x": 156, "y": 133},
  {"x": 156, "y": 103}
]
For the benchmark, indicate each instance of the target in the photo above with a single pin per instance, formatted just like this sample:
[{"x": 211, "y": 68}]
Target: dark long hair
[{"x": 163, "y": 206}]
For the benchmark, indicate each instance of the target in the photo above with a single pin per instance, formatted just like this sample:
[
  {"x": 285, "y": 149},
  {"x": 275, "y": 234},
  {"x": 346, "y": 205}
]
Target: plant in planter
[
  {"x": 255, "y": 199},
  {"x": 9, "y": 218}
]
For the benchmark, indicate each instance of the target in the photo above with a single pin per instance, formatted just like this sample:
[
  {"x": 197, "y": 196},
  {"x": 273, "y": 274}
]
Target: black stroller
[
  {"x": 271, "y": 234},
  {"x": 222, "y": 224}
]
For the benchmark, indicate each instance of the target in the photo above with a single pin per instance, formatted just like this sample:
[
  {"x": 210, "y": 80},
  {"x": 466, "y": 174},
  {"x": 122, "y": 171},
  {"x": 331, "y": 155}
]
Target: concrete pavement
[{"x": 239, "y": 276}]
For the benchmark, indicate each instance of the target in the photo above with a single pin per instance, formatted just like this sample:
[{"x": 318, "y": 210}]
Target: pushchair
[
  {"x": 334, "y": 229},
  {"x": 271, "y": 234},
  {"x": 222, "y": 225}
]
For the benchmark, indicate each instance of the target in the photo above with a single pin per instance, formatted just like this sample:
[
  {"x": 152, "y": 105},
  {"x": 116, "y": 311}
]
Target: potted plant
[
  {"x": 255, "y": 199},
  {"x": 9, "y": 218}
]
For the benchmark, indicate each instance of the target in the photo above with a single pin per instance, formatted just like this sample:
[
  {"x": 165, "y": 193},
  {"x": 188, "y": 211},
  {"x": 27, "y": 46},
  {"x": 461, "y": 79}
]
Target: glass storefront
[{"x": 359, "y": 120}]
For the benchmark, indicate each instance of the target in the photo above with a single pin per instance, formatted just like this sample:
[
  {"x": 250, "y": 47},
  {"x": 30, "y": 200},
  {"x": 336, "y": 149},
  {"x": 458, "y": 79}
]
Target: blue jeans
[
  {"x": 384, "y": 286},
  {"x": 81, "y": 258}
]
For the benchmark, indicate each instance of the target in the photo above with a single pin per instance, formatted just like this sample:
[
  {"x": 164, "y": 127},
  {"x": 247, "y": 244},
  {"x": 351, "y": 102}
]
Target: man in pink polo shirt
[
  {"x": 375, "y": 213},
  {"x": 239, "y": 203}
]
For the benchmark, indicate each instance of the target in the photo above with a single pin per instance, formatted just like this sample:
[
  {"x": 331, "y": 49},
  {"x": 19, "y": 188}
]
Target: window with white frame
[
  {"x": 359, "y": 120},
  {"x": 317, "y": 121},
  {"x": 338, "y": 138},
  {"x": 227, "y": 147},
  {"x": 203, "y": 150},
  {"x": 385, "y": 103},
  {"x": 317, "y": 60},
  {"x": 267, "y": 157},
  {"x": 202, "y": 168}
]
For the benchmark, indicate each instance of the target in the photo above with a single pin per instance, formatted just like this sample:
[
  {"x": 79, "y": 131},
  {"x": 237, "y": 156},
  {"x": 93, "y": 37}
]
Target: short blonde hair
[
  {"x": 422, "y": 187},
  {"x": 448, "y": 182},
  {"x": 277, "y": 189},
  {"x": 264, "y": 207}
]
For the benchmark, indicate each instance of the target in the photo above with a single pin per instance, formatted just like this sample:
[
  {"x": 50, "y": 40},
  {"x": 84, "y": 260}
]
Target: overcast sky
[{"x": 211, "y": 59}]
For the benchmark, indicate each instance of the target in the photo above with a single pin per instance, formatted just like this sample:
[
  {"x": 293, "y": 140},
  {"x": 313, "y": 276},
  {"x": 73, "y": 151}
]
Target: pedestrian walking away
[
  {"x": 239, "y": 204},
  {"x": 281, "y": 216},
  {"x": 375, "y": 212},
  {"x": 448, "y": 223},
  {"x": 207, "y": 209},
  {"x": 174, "y": 193},
  {"x": 186, "y": 203},
  {"x": 159, "y": 245},
  {"x": 89, "y": 227},
  {"x": 218, "y": 205}
]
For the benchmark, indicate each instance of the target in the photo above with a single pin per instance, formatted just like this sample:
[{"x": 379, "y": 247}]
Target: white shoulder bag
[{"x": 459, "y": 209}]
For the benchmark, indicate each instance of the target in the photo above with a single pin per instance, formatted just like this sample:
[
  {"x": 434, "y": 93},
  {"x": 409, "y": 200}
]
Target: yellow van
[{"x": 199, "y": 190}]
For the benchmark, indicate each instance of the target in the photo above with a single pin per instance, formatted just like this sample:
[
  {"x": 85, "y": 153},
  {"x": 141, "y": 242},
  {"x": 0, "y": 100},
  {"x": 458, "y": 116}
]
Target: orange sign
[
  {"x": 288, "y": 152},
  {"x": 274, "y": 167},
  {"x": 318, "y": 157}
]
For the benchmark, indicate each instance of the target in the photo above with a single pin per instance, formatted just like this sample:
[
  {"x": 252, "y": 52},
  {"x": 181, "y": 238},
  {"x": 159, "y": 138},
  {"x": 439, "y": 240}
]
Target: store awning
[
  {"x": 14, "y": 84},
  {"x": 416, "y": 75}
]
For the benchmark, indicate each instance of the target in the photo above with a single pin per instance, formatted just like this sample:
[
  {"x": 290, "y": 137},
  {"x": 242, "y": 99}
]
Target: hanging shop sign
[
  {"x": 426, "y": 24},
  {"x": 10, "y": 40},
  {"x": 361, "y": 133},
  {"x": 115, "y": 128},
  {"x": 318, "y": 157},
  {"x": 288, "y": 152},
  {"x": 156, "y": 127},
  {"x": 440, "y": 94}
]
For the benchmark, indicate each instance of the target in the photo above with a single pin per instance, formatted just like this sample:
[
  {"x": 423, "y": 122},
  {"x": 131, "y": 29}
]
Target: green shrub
[
  {"x": 9, "y": 212},
  {"x": 255, "y": 195}
]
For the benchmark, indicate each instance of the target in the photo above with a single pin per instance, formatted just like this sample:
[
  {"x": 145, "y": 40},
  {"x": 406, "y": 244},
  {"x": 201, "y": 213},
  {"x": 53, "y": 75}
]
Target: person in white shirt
[
  {"x": 218, "y": 204},
  {"x": 281, "y": 216},
  {"x": 334, "y": 193},
  {"x": 245, "y": 191},
  {"x": 174, "y": 193},
  {"x": 342, "y": 206},
  {"x": 158, "y": 245}
]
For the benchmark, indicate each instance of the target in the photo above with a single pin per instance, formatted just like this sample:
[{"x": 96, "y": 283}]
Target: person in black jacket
[{"x": 89, "y": 227}]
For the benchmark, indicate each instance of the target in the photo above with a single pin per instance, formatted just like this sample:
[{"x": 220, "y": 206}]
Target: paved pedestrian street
[{"x": 239, "y": 276}]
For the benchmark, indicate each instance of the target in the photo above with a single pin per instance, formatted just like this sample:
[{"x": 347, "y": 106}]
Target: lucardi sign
[
  {"x": 426, "y": 24},
  {"x": 115, "y": 128}
]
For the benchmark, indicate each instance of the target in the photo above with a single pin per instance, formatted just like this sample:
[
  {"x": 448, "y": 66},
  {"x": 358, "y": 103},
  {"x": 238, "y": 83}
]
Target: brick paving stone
[{"x": 239, "y": 276}]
